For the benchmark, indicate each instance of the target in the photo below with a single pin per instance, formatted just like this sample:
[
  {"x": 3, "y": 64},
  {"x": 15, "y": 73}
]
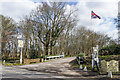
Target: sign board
[
  {"x": 112, "y": 66},
  {"x": 107, "y": 66},
  {"x": 103, "y": 66},
  {"x": 20, "y": 43}
]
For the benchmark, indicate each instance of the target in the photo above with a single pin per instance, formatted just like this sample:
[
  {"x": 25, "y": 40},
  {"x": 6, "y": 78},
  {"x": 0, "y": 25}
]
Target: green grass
[{"x": 17, "y": 64}]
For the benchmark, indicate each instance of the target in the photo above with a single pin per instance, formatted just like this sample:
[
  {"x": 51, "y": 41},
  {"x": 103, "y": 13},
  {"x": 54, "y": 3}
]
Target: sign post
[
  {"x": 20, "y": 44},
  {"x": 95, "y": 57}
]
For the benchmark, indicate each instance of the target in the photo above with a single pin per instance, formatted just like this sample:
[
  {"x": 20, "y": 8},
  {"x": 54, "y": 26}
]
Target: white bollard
[
  {"x": 80, "y": 66},
  {"x": 110, "y": 74},
  {"x": 85, "y": 68},
  {"x": 63, "y": 54},
  {"x": 3, "y": 62}
]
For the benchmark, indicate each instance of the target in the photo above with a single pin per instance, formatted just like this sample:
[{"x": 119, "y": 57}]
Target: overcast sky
[{"x": 106, "y": 9}]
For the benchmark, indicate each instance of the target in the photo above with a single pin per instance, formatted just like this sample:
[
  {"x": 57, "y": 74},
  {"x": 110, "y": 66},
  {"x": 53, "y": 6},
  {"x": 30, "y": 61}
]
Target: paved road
[
  {"x": 53, "y": 70},
  {"x": 29, "y": 71},
  {"x": 35, "y": 71}
]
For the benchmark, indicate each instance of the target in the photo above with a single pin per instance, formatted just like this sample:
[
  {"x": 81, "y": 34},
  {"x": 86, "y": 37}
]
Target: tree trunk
[
  {"x": 46, "y": 50},
  {"x": 51, "y": 48}
]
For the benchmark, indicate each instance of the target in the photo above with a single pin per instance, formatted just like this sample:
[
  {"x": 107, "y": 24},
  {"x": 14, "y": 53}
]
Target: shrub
[
  {"x": 42, "y": 56},
  {"x": 112, "y": 49},
  {"x": 81, "y": 55},
  {"x": 110, "y": 57},
  {"x": 82, "y": 58}
]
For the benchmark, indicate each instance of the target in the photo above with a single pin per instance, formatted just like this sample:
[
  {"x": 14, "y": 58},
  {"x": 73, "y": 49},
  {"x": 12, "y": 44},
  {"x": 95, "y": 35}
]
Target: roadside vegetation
[{"x": 49, "y": 31}]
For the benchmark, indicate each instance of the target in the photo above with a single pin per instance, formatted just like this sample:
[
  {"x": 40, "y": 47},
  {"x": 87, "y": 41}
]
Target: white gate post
[{"x": 21, "y": 56}]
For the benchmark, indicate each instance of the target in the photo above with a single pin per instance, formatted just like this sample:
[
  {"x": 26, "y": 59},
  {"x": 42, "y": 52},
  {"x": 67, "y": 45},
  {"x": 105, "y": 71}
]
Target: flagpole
[
  {"x": 92, "y": 46},
  {"x": 92, "y": 43},
  {"x": 93, "y": 15}
]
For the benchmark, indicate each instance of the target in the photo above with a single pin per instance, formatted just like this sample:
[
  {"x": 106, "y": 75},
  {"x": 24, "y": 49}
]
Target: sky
[{"x": 106, "y": 9}]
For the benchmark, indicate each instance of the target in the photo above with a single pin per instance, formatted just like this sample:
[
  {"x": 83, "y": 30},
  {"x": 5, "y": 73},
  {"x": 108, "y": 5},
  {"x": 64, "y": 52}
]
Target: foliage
[
  {"x": 11, "y": 60},
  {"x": 87, "y": 64},
  {"x": 8, "y": 64},
  {"x": 17, "y": 64},
  {"x": 33, "y": 53},
  {"x": 52, "y": 31},
  {"x": 81, "y": 54},
  {"x": 112, "y": 49},
  {"x": 42, "y": 56},
  {"x": 110, "y": 57}
]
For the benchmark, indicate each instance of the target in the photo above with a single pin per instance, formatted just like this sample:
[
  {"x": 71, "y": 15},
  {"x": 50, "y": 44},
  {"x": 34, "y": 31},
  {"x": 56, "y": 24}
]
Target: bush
[
  {"x": 87, "y": 64},
  {"x": 81, "y": 55},
  {"x": 110, "y": 57},
  {"x": 112, "y": 49},
  {"x": 42, "y": 56}
]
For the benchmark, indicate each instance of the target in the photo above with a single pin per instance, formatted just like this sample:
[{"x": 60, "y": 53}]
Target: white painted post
[
  {"x": 4, "y": 62},
  {"x": 85, "y": 68},
  {"x": 95, "y": 50},
  {"x": 92, "y": 57},
  {"x": 20, "y": 44},
  {"x": 21, "y": 56},
  {"x": 80, "y": 66},
  {"x": 97, "y": 54},
  {"x": 110, "y": 74}
]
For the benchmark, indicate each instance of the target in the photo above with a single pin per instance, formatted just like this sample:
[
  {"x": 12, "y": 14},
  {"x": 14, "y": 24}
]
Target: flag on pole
[{"x": 93, "y": 15}]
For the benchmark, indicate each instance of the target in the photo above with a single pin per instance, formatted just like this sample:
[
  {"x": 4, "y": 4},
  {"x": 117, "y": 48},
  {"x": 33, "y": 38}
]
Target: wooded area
[{"x": 49, "y": 31}]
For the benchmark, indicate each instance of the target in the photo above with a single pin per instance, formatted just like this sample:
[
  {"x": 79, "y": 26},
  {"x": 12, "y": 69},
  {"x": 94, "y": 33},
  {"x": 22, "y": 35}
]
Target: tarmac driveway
[
  {"x": 59, "y": 69},
  {"x": 59, "y": 66}
]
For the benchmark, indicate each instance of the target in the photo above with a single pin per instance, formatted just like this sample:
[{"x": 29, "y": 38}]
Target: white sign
[
  {"x": 95, "y": 49},
  {"x": 20, "y": 43}
]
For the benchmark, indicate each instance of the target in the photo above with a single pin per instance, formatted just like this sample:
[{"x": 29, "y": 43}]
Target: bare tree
[
  {"x": 50, "y": 22},
  {"x": 7, "y": 33}
]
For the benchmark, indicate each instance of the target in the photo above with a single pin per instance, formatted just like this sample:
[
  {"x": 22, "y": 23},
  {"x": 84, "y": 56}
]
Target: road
[{"x": 53, "y": 70}]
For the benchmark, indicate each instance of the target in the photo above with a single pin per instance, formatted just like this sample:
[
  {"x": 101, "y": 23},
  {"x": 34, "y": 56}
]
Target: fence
[
  {"x": 28, "y": 61},
  {"x": 53, "y": 57}
]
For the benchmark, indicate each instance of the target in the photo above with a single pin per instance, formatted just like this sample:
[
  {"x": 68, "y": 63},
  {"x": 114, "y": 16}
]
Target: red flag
[{"x": 93, "y": 15}]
